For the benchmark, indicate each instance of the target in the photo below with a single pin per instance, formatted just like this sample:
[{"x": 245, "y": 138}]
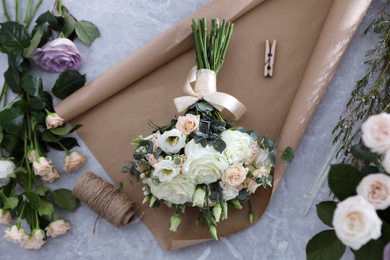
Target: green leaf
[
  {"x": 343, "y": 180},
  {"x": 34, "y": 42},
  {"x": 64, "y": 130},
  {"x": 1, "y": 135},
  {"x": 11, "y": 142},
  {"x": 41, "y": 190},
  {"x": 361, "y": 152},
  {"x": 86, "y": 31},
  {"x": 70, "y": 24},
  {"x": 10, "y": 203},
  {"x": 11, "y": 120},
  {"x": 33, "y": 199},
  {"x": 35, "y": 104},
  {"x": 68, "y": 143},
  {"x": 21, "y": 177},
  {"x": 287, "y": 155},
  {"x": 55, "y": 22},
  {"x": 32, "y": 85},
  {"x": 14, "y": 37},
  {"x": 45, "y": 208},
  {"x": 372, "y": 250},
  {"x": 67, "y": 83},
  {"x": 64, "y": 199},
  {"x": 324, "y": 246},
  {"x": 325, "y": 211},
  {"x": 12, "y": 77}
]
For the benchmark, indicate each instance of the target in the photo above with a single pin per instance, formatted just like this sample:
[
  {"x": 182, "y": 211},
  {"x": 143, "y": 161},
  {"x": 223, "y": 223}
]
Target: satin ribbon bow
[{"x": 206, "y": 89}]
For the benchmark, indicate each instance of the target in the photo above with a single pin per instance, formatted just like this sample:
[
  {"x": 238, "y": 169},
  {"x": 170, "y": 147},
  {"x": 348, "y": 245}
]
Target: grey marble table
[{"x": 282, "y": 232}]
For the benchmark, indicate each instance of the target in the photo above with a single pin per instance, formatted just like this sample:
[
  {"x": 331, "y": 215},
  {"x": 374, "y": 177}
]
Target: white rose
[
  {"x": 375, "y": 188},
  {"x": 5, "y": 217},
  {"x": 57, "y": 228},
  {"x": 376, "y": 133},
  {"x": 356, "y": 222},
  {"x": 263, "y": 158},
  {"x": 251, "y": 185},
  {"x": 253, "y": 153},
  {"x": 6, "y": 167},
  {"x": 204, "y": 165},
  {"x": 35, "y": 241},
  {"x": 166, "y": 170},
  {"x": 386, "y": 161},
  {"x": 177, "y": 191},
  {"x": 15, "y": 235},
  {"x": 229, "y": 192},
  {"x": 171, "y": 141},
  {"x": 238, "y": 145}
]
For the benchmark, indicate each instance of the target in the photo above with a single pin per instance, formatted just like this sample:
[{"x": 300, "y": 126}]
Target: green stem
[
  {"x": 28, "y": 10},
  {"x": 58, "y": 142},
  {"x": 5, "y": 10},
  {"x": 17, "y": 10},
  {"x": 21, "y": 215},
  {"x": 4, "y": 94},
  {"x": 28, "y": 21},
  {"x": 26, "y": 133}
]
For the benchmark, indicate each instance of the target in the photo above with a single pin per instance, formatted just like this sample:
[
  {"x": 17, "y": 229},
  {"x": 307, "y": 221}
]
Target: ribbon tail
[{"x": 219, "y": 99}]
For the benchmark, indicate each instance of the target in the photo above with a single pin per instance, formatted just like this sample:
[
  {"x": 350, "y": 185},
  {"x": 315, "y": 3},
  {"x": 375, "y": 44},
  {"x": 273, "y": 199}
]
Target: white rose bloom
[
  {"x": 171, "y": 141},
  {"x": 263, "y": 158},
  {"x": 375, "y": 188},
  {"x": 6, "y": 167},
  {"x": 204, "y": 165},
  {"x": 386, "y": 161},
  {"x": 177, "y": 191},
  {"x": 166, "y": 170},
  {"x": 229, "y": 192},
  {"x": 238, "y": 145},
  {"x": 356, "y": 222},
  {"x": 376, "y": 133}
]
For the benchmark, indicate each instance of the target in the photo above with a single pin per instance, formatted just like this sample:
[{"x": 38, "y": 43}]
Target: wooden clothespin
[{"x": 269, "y": 58}]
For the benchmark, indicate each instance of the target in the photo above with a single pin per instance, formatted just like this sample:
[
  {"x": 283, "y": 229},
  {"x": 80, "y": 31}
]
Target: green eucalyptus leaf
[
  {"x": 45, "y": 208},
  {"x": 64, "y": 130},
  {"x": 372, "y": 250},
  {"x": 33, "y": 199},
  {"x": 361, "y": 152},
  {"x": 10, "y": 203},
  {"x": 12, "y": 120},
  {"x": 67, "y": 83},
  {"x": 324, "y": 245},
  {"x": 325, "y": 211},
  {"x": 12, "y": 78},
  {"x": 343, "y": 180},
  {"x": 287, "y": 155},
  {"x": 64, "y": 199},
  {"x": 32, "y": 85},
  {"x": 86, "y": 31},
  {"x": 14, "y": 37},
  {"x": 34, "y": 42},
  {"x": 69, "y": 27}
]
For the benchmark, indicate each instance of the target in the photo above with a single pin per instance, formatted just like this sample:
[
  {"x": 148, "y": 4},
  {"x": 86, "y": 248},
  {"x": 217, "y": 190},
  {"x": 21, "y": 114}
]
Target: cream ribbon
[{"x": 206, "y": 89}]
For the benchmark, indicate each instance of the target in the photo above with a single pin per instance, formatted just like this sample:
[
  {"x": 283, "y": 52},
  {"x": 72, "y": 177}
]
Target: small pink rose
[
  {"x": 375, "y": 188},
  {"x": 42, "y": 166},
  {"x": 253, "y": 152},
  {"x": 5, "y": 217},
  {"x": 16, "y": 235},
  {"x": 234, "y": 175},
  {"x": 188, "y": 124},
  {"x": 53, "y": 120},
  {"x": 35, "y": 241},
  {"x": 57, "y": 228},
  {"x": 376, "y": 133},
  {"x": 51, "y": 176},
  {"x": 74, "y": 161}
]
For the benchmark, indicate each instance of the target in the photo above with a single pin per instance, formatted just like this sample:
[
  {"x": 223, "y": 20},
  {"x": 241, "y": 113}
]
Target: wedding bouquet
[{"x": 199, "y": 159}]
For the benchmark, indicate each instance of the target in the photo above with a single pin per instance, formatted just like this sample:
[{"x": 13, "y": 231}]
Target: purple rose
[
  {"x": 58, "y": 55},
  {"x": 386, "y": 252}
]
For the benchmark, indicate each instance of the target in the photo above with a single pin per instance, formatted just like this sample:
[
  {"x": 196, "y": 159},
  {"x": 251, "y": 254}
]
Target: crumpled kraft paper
[{"x": 312, "y": 37}]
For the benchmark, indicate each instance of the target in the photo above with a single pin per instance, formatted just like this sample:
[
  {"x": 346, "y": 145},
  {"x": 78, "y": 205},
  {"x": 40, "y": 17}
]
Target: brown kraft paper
[{"x": 312, "y": 37}]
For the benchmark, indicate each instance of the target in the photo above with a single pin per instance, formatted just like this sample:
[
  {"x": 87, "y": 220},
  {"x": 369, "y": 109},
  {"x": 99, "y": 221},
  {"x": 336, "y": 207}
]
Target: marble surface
[{"x": 282, "y": 232}]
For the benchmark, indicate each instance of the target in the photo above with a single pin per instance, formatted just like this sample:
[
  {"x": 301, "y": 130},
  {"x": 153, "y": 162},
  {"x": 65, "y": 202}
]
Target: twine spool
[{"x": 103, "y": 198}]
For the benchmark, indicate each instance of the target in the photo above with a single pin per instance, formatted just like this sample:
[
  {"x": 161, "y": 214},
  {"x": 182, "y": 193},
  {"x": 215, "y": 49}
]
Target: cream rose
[
  {"x": 35, "y": 241},
  {"x": 74, "y": 161},
  {"x": 5, "y": 217},
  {"x": 31, "y": 155},
  {"x": 234, "y": 175},
  {"x": 177, "y": 191},
  {"x": 42, "y": 166},
  {"x": 51, "y": 176},
  {"x": 188, "y": 124},
  {"x": 251, "y": 185},
  {"x": 204, "y": 165},
  {"x": 171, "y": 141},
  {"x": 229, "y": 192},
  {"x": 262, "y": 171},
  {"x": 15, "y": 235},
  {"x": 376, "y": 133},
  {"x": 356, "y": 222},
  {"x": 238, "y": 145},
  {"x": 53, "y": 120},
  {"x": 263, "y": 158},
  {"x": 57, "y": 228},
  {"x": 253, "y": 153},
  {"x": 375, "y": 188},
  {"x": 386, "y": 161},
  {"x": 166, "y": 170},
  {"x": 6, "y": 167}
]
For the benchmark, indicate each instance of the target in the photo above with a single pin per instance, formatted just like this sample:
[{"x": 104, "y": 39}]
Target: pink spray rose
[
  {"x": 57, "y": 228},
  {"x": 58, "y": 55},
  {"x": 42, "y": 166},
  {"x": 53, "y": 120},
  {"x": 35, "y": 241},
  {"x": 74, "y": 161}
]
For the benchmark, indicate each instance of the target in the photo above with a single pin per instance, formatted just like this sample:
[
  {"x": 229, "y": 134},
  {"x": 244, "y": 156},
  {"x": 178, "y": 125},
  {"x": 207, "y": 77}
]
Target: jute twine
[{"x": 103, "y": 198}]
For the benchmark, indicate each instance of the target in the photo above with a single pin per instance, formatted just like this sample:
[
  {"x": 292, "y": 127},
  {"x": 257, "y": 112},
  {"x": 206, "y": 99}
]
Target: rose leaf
[
  {"x": 325, "y": 245},
  {"x": 325, "y": 210},
  {"x": 343, "y": 180},
  {"x": 14, "y": 37},
  {"x": 86, "y": 31},
  {"x": 67, "y": 83}
]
